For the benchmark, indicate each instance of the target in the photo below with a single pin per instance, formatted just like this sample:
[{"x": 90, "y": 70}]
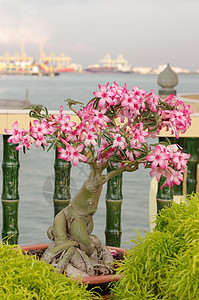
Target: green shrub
[
  {"x": 25, "y": 277},
  {"x": 165, "y": 264}
]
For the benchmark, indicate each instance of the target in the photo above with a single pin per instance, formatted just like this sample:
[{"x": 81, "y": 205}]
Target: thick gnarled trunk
[{"x": 74, "y": 249}]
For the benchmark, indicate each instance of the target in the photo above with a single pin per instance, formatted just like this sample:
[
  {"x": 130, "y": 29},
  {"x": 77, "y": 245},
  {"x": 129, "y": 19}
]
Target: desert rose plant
[{"x": 113, "y": 129}]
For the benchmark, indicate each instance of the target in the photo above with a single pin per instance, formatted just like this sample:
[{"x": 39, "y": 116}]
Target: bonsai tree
[{"x": 113, "y": 129}]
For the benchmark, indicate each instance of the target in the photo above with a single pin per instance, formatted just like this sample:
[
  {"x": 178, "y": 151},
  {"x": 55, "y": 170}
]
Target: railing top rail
[{"x": 8, "y": 117}]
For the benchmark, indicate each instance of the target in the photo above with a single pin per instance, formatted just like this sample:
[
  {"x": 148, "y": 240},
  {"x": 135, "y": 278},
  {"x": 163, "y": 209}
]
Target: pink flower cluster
[
  {"x": 35, "y": 135},
  {"x": 169, "y": 162},
  {"x": 114, "y": 126},
  {"x": 178, "y": 119}
]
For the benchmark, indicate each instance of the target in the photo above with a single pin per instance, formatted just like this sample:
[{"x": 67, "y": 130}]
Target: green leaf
[
  {"x": 99, "y": 139},
  {"x": 73, "y": 102},
  {"x": 50, "y": 147}
]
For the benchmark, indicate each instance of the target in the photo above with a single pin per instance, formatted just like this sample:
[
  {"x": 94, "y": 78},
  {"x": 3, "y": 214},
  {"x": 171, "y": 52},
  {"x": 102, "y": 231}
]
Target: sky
[{"x": 147, "y": 32}]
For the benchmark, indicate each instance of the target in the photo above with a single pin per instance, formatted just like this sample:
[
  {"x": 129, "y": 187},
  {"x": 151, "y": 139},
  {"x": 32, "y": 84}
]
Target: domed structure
[{"x": 167, "y": 79}]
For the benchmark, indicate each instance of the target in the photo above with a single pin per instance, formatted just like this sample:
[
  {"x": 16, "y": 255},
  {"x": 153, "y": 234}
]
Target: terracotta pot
[{"x": 102, "y": 281}]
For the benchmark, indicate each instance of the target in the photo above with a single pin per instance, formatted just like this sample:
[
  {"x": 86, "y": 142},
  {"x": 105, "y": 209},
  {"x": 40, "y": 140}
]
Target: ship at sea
[
  {"x": 109, "y": 65},
  {"x": 60, "y": 64},
  {"x": 47, "y": 65}
]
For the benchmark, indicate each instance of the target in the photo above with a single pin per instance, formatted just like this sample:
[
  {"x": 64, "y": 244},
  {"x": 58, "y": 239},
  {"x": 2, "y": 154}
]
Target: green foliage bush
[
  {"x": 25, "y": 277},
  {"x": 164, "y": 264}
]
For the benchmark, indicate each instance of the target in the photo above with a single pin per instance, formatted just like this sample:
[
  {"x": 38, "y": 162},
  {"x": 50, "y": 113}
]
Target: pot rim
[{"x": 85, "y": 280}]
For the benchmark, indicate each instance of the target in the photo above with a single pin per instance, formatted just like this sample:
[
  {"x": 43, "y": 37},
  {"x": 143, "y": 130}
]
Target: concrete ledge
[{"x": 8, "y": 117}]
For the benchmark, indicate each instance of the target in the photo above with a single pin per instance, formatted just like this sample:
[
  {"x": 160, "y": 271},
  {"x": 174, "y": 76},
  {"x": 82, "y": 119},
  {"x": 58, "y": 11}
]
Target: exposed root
[
  {"x": 71, "y": 271},
  {"x": 74, "y": 262}
]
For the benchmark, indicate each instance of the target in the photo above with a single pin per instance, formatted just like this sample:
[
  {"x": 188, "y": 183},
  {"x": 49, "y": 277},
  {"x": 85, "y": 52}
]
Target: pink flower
[
  {"x": 40, "y": 140},
  {"x": 87, "y": 112},
  {"x": 135, "y": 100},
  {"x": 159, "y": 158},
  {"x": 66, "y": 125},
  {"x": 64, "y": 153},
  {"x": 16, "y": 134},
  {"x": 41, "y": 128},
  {"x": 104, "y": 95},
  {"x": 129, "y": 102},
  {"x": 172, "y": 177},
  {"x": 90, "y": 138},
  {"x": 153, "y": 101},
  {"x": 73, "y": 135},
  {"x": 100, "y": 118},
  {"x": 179, "y": 160},
  {"x": 71, "y": 153},
  {"x": 138, "y": 133},
  {"x": 130, "y": 155},
  {"x": 118, "y": 141},
  {"x": 158, "y": 172},
  {"x": 75, "y": 155},
  {"x": 64, "y": 141},
  {"x": 27, "y": 141}
]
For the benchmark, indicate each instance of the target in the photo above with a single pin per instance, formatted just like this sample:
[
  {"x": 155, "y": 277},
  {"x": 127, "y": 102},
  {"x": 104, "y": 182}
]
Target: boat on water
[
  {"x": 101, "y": 69},
  {"x": 110, "y": 65},
  {"x": 65, "y": 70}
]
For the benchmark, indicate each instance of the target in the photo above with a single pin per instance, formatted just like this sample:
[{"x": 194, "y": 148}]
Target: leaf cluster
[
  {"x": 25, "y": 277},
  {"x": 164, "y": 264},
  {"x": 38, "y": 112}
]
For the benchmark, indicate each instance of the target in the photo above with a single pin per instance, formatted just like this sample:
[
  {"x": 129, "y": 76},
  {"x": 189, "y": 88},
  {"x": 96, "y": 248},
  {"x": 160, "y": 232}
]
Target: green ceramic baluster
[
  {"x": 192, "y": 148},
  {"x": 10, "y": 196},
  {"x": 178, "y": 189},
  {"x": 113, "y": 210},
  {"x": 164, "y": 196},
  {"x": 62, "y": 195}
]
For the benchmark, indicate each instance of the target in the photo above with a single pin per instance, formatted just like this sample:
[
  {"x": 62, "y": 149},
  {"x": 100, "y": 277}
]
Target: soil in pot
[{"x": 101, "y": 282}]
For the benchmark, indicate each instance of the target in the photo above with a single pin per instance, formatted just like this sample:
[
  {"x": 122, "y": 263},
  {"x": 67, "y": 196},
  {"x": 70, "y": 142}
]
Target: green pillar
[
  {"x": 10, "y": 196},
  {"x": 178, "y": 189},
  {"x": 192, "y": 145},
  {"x": 167, "y": 80},
  {"x": 114, "y": 198},
  {"x": 164, "y": 196},
  {"x": 62, "y": 195}
]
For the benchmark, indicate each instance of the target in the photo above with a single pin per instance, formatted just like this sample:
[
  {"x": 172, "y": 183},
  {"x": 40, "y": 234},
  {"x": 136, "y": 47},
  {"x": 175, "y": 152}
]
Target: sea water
[{"x": 36, "y": 174}]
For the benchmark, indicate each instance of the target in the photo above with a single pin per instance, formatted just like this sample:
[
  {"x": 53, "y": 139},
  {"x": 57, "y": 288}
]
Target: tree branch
[
  {"x": 130, "y": 167},
  {"x": 103, "y": 166}
]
